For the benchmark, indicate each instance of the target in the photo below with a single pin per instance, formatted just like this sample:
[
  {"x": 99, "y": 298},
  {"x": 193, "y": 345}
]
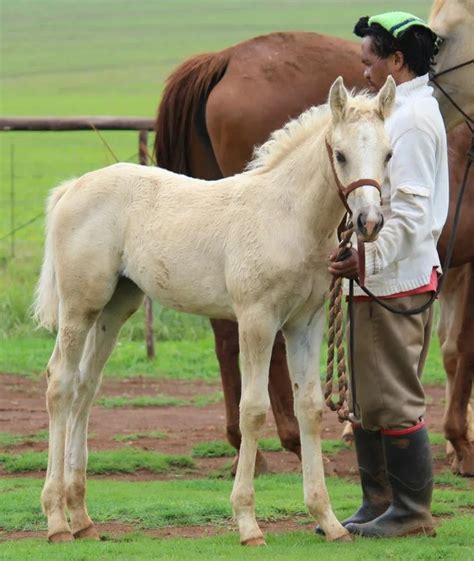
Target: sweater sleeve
[{"x": 412, "y": 178}]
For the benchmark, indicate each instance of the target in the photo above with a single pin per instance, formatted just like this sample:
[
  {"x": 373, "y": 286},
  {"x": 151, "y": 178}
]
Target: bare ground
[{"x": 22, "y": 411}]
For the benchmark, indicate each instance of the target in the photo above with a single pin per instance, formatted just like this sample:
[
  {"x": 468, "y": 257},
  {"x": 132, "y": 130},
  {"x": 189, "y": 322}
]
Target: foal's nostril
[
  {"x": 361, "y": 222},
  {"x": 380, "y": 224}
]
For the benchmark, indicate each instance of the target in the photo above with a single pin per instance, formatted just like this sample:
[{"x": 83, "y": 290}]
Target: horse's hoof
[
  {"x": 344, "y": 538},
  {"x": 455, "y": 468},
  {"x": 89, "y": 533},
  {"x": 61, "y": 537},
  {"x": 466, "y": 467},
  {"x": 254, "y": 541}
]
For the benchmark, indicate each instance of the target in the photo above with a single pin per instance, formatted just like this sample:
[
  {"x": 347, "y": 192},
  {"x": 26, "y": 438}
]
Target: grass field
[
  {"x": 111, "y": 57},
  {"x": 60, "y": 57},
  {"x": 153, "y": 505}
]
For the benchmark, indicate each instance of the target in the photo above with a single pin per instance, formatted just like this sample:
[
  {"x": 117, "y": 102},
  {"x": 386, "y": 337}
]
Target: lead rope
[{"x": 336, "y": 336}]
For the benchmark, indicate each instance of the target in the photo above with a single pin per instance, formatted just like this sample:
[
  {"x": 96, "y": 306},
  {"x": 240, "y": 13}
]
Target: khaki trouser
[{"x": 389, "y": 356}]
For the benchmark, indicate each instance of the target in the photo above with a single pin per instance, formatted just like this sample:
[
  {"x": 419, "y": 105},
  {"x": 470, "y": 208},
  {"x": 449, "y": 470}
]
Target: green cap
[{"x": 397, "y": 23}]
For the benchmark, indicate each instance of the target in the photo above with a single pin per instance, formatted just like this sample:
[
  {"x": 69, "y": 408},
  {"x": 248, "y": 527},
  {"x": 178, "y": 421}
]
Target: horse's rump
[{"x": 183, "y": 105}]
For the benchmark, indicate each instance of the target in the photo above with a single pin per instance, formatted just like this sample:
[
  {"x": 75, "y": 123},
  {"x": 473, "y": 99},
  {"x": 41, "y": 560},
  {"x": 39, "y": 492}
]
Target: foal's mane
[{"x": 283, "y": 141}]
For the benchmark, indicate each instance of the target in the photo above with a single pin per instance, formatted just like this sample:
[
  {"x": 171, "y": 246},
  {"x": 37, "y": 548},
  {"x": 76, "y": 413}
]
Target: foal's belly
[
  {"x": 200, "y": 302},
  {"x": 194, "y": 288}
]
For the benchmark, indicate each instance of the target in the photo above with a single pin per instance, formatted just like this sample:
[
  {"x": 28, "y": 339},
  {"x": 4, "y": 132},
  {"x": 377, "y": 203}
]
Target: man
[{"x": 391, "y": 440}]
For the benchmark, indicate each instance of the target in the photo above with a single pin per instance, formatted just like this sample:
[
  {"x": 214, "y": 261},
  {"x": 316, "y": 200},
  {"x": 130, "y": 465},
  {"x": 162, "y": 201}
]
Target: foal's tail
[
  {"x": 183, "y": 106},
  {"x": 46, "y": 304}
]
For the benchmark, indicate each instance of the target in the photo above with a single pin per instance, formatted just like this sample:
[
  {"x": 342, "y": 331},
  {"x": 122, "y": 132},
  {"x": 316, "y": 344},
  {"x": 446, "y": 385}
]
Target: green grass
[
  {"x": 213, "y": 449},
  {"x": 61, "y": 57},
  {"x": 437, "y": 439},
  {"x": 183, "y": 360},
  {"x": 154, "y": 504},
  {"x": 7, "y": 439},
  {"x": 452, "y": 544},
  {"x": 207, "y": 399},
  {"x": 448, "y": 478},
  {"x": 140, "y": 401},
  {"x": 157, "y": 504},
  {"x": 125, "y": 460},
  {"x": 134, "y": 436},
  {"x": 221, "y": 448},
  {"x": 159, "y": 401}
]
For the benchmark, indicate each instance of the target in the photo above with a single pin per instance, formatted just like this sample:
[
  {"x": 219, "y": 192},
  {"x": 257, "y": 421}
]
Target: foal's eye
[
  {"x": 340, "y": 157},
  {"x": 388, "y": 157}
]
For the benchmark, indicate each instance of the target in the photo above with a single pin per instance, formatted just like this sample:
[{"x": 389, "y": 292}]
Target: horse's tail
[
  {"x": 46, "y": 303},
  {"x": 183, "y": 101}
]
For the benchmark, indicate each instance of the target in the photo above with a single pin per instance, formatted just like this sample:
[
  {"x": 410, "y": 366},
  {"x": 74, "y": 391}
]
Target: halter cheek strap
[{"x": 343, "y": 193}]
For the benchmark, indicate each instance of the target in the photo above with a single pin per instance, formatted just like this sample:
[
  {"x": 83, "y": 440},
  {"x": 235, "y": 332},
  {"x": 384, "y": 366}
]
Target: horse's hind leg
[
  {"x": 63, "y": 369},
  {"x": 101, "y": 340},
  {"x": 456, "y": 324}
]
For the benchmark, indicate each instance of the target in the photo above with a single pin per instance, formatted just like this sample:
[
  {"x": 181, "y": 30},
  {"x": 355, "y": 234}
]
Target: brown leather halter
[{"x": 343, "y": 193}]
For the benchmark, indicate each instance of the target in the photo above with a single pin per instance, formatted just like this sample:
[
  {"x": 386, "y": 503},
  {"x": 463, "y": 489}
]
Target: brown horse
[{"x": 210, "y": 119}]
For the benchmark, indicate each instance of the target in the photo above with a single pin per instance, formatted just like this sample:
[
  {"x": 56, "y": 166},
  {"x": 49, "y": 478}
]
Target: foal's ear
[
  {"x": 338, "y": 99},
  {"x": 386, "y": 98}
]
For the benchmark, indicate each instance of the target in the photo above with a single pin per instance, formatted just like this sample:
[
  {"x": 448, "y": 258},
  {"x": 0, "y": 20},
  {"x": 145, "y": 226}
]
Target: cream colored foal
[{"x": 252, "y": 247}]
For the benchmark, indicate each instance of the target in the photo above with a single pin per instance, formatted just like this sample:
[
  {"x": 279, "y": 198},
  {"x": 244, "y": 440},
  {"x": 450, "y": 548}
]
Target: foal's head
[{"x": 361, "y": 150}]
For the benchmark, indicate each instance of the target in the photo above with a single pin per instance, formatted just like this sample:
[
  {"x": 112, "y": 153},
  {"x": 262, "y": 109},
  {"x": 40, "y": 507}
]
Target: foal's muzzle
[{"x": 368, "y": 224}]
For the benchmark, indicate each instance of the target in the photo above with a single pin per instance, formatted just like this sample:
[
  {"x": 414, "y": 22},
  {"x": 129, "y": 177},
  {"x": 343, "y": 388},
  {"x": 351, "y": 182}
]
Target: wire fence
[{"x": 31, "y": 163}]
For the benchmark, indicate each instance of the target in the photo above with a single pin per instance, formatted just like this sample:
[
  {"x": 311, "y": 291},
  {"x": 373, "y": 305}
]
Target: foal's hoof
[
  {"x": 60, "y": 537},
  {"x": 89, "y": 533},
  {"x": 344, "y": 538},
  {"x": 254, "y": 541}
]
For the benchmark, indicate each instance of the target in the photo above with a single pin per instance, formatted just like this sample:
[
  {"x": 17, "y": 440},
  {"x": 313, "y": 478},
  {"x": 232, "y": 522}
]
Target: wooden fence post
[{"x": 148, "y": 304}]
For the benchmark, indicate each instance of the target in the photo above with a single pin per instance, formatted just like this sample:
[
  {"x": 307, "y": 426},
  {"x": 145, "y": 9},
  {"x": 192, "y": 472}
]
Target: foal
[{"x": 251, "y": 247}]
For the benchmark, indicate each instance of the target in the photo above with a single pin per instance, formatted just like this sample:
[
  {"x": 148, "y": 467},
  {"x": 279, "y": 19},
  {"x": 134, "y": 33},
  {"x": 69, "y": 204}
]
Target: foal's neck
[{"x": 304, "y": 181}]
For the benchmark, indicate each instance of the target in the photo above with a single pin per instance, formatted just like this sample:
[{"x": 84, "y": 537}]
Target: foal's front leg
[
  {"x": 303, "y": 340},
  {"x": 256, "y": 335}
]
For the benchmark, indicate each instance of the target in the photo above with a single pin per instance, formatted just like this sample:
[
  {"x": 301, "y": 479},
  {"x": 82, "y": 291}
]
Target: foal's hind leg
[
  {"x": 101, "y": 340},
  {"x": 62, "y": 370}
]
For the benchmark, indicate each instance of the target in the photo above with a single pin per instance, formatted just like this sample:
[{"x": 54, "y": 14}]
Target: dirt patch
[
  {"x": 23, "y": 411},
  {"x": 115, "y": 530}
]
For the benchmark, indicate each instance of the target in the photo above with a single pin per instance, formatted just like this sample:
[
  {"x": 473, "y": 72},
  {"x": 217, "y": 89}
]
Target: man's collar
[{"x": 413, "y": 87}]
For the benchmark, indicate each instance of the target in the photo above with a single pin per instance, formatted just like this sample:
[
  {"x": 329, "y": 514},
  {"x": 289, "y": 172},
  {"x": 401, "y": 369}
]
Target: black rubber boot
[
  {"x": 376, "y": 491},
  {"x": 409, "y": 467}
]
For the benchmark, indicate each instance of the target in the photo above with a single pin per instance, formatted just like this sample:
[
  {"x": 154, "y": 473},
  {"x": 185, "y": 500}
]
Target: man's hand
[{"x": 348, "y": 268}]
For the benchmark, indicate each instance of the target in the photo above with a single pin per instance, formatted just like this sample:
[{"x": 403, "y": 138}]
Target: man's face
[{"x": 376, "y": 69}]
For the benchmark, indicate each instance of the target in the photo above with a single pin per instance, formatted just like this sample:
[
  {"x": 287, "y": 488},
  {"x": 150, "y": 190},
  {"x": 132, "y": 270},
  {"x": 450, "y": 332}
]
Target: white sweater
[{"x": 415, "y": 194}]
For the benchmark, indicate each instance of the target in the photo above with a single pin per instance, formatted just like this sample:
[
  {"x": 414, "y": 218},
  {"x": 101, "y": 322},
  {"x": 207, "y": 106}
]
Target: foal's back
[{"x": 166, "y": 232}]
